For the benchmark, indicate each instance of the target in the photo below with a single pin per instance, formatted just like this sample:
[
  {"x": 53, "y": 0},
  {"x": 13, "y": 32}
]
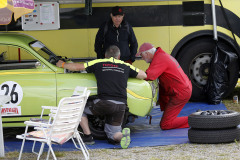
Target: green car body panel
[{"x": 46, "y": 84}]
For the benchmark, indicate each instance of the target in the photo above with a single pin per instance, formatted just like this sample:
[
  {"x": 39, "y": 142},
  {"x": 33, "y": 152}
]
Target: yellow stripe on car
[{"x": 136, "y": 95}]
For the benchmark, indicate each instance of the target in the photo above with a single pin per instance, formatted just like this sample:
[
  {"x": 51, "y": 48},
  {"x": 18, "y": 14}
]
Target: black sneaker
[
  {"x": 111, "y": 141},
  {"x": 88, "y": 139}
]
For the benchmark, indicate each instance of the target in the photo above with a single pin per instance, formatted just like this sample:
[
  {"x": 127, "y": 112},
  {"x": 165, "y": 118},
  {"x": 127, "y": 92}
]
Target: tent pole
[{"x": 215, "y": 36}]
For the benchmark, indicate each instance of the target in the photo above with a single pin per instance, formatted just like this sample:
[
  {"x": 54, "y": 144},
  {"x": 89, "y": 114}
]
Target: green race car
[{"x": 29, "y": 75}]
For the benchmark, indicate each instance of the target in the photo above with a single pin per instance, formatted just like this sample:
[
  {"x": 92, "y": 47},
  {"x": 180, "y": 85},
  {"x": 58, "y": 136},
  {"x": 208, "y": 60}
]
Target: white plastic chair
[
  {"x": 79, "y": 91},
  {"x": 62, "y": 125}
]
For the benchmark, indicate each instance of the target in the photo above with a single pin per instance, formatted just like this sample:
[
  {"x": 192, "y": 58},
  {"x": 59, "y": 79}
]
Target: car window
[
  {"x": 41, "y": 49},
  {"x": 12, "y": 57},
  {"x": 44, "y": 52}
]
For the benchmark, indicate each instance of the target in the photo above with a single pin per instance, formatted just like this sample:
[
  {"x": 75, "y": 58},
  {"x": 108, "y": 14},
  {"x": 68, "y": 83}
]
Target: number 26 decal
[{"x": 14, "y": 90}]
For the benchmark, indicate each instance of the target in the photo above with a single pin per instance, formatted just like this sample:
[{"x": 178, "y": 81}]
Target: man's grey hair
[
  {"x": 112, "y": 51},
  {"x": 152, "y": 51}
]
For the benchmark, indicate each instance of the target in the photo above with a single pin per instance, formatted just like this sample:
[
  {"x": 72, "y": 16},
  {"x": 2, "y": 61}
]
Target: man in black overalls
[{"x": 117, "y": 31}]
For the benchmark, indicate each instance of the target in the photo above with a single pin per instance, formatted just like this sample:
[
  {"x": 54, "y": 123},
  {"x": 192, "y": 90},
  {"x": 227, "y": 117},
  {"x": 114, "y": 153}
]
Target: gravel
[
  {"x": 172, "y": 152},
  {"x": 229, "y": 151}
]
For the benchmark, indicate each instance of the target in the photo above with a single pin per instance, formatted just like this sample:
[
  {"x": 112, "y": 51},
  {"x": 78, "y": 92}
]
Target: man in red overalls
[{"x": 175, "y": 88}]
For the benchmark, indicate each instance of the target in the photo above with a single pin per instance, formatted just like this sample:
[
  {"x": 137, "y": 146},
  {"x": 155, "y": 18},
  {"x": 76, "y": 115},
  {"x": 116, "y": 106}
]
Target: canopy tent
[
  {"x": 3, "y": 3},
  {"x": 19, "y": 8}
]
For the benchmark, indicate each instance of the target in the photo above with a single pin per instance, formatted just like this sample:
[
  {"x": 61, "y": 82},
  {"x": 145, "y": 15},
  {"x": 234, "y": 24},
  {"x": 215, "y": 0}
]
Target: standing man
[
  {"x": 117, "y": 31},
  {"x": 175, "y": 88},
  {"x": 112, "y": 75}
]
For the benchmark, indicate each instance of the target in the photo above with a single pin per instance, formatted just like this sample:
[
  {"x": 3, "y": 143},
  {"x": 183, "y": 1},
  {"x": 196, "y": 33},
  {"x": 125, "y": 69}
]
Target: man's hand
[
  {"x": 141, "y": 75},
  {"x": 71, "y": 66},
  {"x": 59, "y": 63}
]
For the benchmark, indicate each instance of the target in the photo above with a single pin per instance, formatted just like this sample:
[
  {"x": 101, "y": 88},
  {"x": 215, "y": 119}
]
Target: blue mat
[{"x": 142, "y": 133}]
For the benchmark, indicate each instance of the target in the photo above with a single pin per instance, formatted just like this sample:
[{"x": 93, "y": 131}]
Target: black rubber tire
[
  {"x": 213, "y": 136},
  {"x": 97, "y": 132},
  {"x": 197, "y": 51},
  {"x": 196, "y": 120},
  {"x": 96, "y": 125}
]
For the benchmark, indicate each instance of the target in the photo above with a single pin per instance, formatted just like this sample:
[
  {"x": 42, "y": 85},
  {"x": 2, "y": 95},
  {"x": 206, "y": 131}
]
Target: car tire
[
  {"x": 194, "y": 58},
  {"x": 96, "y": 125},
  {"x": 213, "y": 136},
  {"x": 204, "y": 119}
]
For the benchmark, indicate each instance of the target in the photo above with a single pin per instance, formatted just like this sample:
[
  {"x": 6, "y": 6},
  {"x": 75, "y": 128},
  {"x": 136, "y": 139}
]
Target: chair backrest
[
  {"x": 79, "y": 91},
  {"x": 69, "y": 113}
]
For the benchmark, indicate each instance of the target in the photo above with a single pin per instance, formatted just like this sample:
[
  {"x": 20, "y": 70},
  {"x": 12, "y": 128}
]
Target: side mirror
[{"x": 37, "y": 64}]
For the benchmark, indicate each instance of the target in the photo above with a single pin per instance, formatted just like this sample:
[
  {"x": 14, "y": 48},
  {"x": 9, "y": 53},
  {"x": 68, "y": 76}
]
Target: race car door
[{"x": 30, "y": 83}]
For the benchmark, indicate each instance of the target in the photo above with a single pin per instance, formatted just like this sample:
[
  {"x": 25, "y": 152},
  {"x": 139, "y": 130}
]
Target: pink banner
[
  {"x": 29, "y": 4},
  {"x": 18, "y": 7},
  {"x": 5, "y": 16}
]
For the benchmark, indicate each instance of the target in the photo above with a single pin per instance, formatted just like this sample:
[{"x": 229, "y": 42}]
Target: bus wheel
[{"x": 194, "y": 59}]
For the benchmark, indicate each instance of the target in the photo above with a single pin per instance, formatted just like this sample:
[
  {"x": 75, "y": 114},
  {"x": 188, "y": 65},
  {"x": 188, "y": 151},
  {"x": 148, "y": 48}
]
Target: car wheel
[
  {"x": 213, "y": 136},
  {"x": 214, "y": 119},
  {"x": 194, "y": 59},
  {"x": 96, "y": 125}
]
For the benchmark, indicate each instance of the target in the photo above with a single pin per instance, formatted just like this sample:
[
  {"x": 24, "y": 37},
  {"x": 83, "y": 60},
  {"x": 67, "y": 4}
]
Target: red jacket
[{"x": 172, "y": 78}]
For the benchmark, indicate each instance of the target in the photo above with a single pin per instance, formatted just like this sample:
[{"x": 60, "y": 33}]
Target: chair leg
[
  {"x": 48, "y": 153},
  {"x": 33, "y": 147},
  {"x": 50, "y": 147},
  {"x": 23, "y": 142},
  {"x": 75, "y": 144},
  {"x": 40, "y": 151},
  {"x": 83, "y": 147},
  {"x": 43, "y": 144},
  {"x": 20, "y": 154}
]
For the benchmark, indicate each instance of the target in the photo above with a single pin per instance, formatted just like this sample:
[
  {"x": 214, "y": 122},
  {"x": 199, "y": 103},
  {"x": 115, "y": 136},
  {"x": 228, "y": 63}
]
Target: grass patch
[
  {"x": 154, "y": 158},
  {"x": 228, "y": 101},
  {"x": 8, "y": 155},
  {"x": 59, "y": 154},
  {"x": 222, "y": 154},
  {"x": 236, "y": 91},
  {"x": 105, "y": 151},
  {"x": 169, "y": 149},
  {"x": 12, "y": 154}
]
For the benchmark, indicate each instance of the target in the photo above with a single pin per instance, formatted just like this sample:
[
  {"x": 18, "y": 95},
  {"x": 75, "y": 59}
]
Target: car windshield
[{"x": 43, "y": 50}]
